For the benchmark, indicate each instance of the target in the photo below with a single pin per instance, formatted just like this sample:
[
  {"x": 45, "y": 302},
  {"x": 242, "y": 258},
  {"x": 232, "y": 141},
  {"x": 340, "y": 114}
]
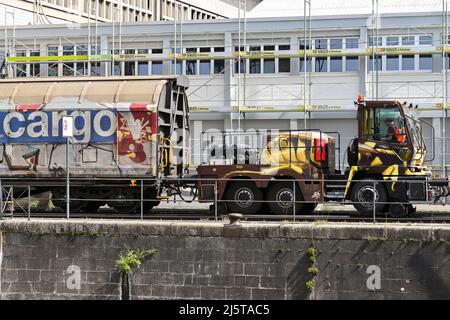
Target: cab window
[{"x": 384, "y": 125}]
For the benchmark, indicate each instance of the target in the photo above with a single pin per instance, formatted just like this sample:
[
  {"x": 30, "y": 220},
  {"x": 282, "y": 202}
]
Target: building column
[
  {"x": 105, "y": 67},
  {"x": 295, "y": 64},
  {"x": 363, "y": 69},
  {"x": 293, "y": 124},
  {"x": 437, "y": 125},
  {"x": 437, "y": 57},
  {"x": 228, "y": 82},
  {"x": 167, "y": 64},
  {"x": 196, "y": 146},
  {"x": 43, "y": 67}
]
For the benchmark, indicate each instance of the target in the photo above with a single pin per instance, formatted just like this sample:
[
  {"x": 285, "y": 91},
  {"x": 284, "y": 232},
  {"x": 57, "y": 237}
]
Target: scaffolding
[{"x": 91, "y": 52}]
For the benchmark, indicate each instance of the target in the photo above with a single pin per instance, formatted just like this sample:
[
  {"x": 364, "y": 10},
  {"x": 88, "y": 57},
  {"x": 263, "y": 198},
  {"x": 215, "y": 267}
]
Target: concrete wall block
[
  {"x": 273, "y": 282},
  {"x": 9, "y": 275},
  {"x": 208, "y": 293},
  {"x": 268, "y": 294},
  {"x": 206, "y": 268},
  {"x": 239, "y": 255},
  {"x": 188, "y": 292},
  {"x": 29, "y": 275},
  {"x": 200, "y": 280},
  {"x": 232, "y": 268},
  {"x": 20, "y": 287},
  {"x": 190, "y": 255},
  {"x": 214, "y": 255},
  {"x": 144, "y": 278},
  {"x": 98, "y": 277},
  {"x": 151, "y": 265},
  {"x": 158, "y": 291},
  {"x": 238, "y": 294},
  {"x": 256, "y": 268},
  {"x": 221, "y": 281},
  {"x": 61, "y": 263}
]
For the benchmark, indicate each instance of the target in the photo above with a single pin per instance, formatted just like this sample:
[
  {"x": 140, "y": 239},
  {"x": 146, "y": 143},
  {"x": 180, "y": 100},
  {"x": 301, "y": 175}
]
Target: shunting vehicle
[{"x": 283, "y": 171}]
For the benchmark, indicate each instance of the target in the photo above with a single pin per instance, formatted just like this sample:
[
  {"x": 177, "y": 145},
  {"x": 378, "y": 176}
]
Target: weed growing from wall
[
  {"x": 127, "y": 263},
  {"x": 313, "y": 270}
]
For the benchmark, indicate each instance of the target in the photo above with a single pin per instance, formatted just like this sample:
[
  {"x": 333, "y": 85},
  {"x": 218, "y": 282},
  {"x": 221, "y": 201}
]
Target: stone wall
[{"x": 203, "y": 260}]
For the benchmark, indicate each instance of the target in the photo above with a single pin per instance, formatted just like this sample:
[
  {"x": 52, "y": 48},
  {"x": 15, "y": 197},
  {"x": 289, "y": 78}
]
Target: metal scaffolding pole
[
  {"x": 306, "y": 44},
  {"x": 175, "y": 39},
  {"x": 444, "y": 81}
]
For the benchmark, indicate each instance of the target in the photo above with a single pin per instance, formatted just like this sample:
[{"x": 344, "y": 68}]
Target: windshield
[{"x": 415, "y": 127}]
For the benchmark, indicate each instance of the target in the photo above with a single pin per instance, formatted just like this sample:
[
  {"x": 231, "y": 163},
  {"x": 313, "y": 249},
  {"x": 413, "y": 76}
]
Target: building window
[
  {"x": 269, "y": 65},
  {"x": 157, "y": 68},
  {"x": 392, "y": 41},
  {"x": 375, "y": 64},
  {"x": 21, "y": 69},
  {"x": 335, "y": 43},
  {"x": 284, "y": 64},
  {"x": 392, "y": 63},
  {"x": 53, "y": 67},
  {"x": 336, "y": 64},
  {"x": 321, "y": 65},
  {"x": 308, "y": 65},
  {"x": 255, "y": 64},
  {"x": 425, "y": 62},
  {"x": 143, "y": 68},
  {"x": 191, "y": 65},
  {"x": 351, "y": 63},
  {"x": 68, "y": 68},
  {"x": 375, "y": 41},
  {"x": 351, "y": 43},
  {"x": 117, "y": 69},
  {"x": 205, "y": 65},
  {"x": 321, "y": 44},
  {"x": 425, "y": 40},
  {"x": 130, "y": 66},
  {"x": 35, "y": 68},
  {"x": 408, "y": 62},
  {"x": 242, "y": 62},
  {"x": 408, "y": 41},
  {"x": 219, "y": 65}
]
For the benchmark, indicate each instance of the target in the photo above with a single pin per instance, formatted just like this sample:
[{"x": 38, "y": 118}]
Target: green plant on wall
[
  {"x": 133, "y": 259},
  {"x": 127, "y": 263},
  {"x": 313, "y": 270}
]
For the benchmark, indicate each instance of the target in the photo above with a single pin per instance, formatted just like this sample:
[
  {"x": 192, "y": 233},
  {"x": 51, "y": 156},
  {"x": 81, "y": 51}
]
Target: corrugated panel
[{"x": 36, "y": 93}]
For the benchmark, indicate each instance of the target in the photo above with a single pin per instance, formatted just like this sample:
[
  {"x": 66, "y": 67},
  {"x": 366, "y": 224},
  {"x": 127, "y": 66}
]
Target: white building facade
[{"x": 410, "y": 50}]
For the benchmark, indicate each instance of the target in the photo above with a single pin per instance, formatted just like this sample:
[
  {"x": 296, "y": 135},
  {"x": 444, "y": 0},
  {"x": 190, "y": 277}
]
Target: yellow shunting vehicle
[{"x": 296, "y": 170}]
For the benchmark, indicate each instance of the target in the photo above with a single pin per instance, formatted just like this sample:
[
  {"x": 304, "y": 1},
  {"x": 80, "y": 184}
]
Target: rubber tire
[
  {"x": 382, "y": 197},
  {"x": 234, "y": 188},
  {"x": 274, "y": 205}
]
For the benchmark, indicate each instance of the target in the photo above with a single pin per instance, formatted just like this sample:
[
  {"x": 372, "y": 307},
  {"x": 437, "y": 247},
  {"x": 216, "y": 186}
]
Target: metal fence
[{"x": 19, "y": 200}]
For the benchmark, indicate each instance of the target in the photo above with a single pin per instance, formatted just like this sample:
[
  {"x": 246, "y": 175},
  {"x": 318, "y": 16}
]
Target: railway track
[{"x": 207, "y": 215}]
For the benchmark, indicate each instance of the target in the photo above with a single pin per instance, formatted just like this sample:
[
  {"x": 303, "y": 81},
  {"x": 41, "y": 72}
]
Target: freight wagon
[{"x": 125, "y": 129}]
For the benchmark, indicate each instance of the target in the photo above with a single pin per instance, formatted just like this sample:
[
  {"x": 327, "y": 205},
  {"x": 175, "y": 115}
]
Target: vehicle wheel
[
  {"x": 243, "y": 197},
  {"x": 362, "y": 197},
  {"x": 280, "y": 197},
  {"x": 129, "y": 203},
  {"x": 149, "y": 205}
]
